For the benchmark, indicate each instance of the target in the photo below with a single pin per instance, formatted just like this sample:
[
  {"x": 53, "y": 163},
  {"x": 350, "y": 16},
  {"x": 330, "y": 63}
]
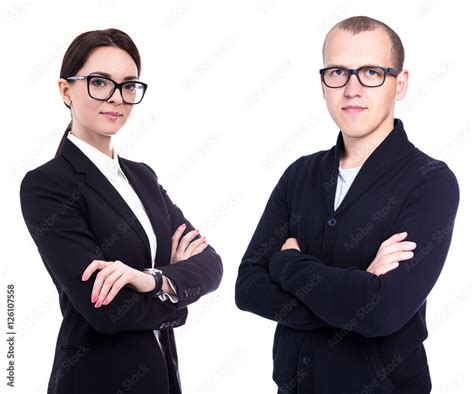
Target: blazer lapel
[
  {"x": 395, "y": 146},
  {"x": 160, "y": 226},
  {"x": 96, "y": 180}
]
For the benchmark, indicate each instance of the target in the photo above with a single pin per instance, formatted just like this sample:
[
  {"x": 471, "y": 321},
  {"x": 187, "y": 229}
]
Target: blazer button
[
  {"x": 332, "y": 222},
  {"x": 306, "y": 360}
]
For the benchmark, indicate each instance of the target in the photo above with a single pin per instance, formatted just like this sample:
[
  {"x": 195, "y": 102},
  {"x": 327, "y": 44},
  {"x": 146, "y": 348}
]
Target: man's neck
[{"x": 358, "y": 149}]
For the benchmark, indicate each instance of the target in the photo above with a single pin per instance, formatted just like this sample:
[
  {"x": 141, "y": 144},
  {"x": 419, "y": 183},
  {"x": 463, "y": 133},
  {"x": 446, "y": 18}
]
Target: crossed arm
[
  {"x": 270, "y": 279},
  {"x": 66, "y": 245}
]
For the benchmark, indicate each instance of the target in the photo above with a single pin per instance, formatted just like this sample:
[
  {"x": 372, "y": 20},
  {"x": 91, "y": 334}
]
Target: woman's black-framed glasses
[
  {"x": 369, "y": 76},
  {"x": 102, "y": 88}
]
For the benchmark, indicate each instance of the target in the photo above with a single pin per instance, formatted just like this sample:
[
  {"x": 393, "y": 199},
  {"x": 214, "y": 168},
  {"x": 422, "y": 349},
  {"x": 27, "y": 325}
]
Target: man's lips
[
  {"x": 353, "y": 108},
  {"x": 112, "y": 115}
]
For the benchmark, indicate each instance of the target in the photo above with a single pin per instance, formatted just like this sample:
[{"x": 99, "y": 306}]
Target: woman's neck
[{"x": 98, "y": 141}]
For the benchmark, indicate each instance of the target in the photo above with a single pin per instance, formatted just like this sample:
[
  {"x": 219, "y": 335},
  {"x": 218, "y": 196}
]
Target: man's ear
[
  {"x": 402, "y": 85},
  {"x": 322, "y": 87}
]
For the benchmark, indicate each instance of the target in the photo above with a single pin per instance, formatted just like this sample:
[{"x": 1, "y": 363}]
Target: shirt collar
[{"x": 110, "y": 167}]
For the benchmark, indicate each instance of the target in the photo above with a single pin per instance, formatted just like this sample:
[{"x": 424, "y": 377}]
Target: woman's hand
[
  {"x": 391, "y": 251},
  {"x": 112, "y": 277},
  {"x": 183, "y": 248},
  {"x": 291, "y": 243}
]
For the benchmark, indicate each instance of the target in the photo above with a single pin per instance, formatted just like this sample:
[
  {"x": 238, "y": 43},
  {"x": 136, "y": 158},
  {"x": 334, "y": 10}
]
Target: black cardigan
[{"x": 340, "y": 328}]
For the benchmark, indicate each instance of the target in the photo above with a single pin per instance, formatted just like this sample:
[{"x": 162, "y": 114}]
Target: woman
[{"x": 102, "y": 224}]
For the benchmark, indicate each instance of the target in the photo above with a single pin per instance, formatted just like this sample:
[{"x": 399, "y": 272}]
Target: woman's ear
[{"x": 64, "y": 86}]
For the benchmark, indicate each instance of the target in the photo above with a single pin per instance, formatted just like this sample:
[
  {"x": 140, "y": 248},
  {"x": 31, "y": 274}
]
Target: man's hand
[
  {"x": 390, "y": 253},
  {"x": 291, "y": 243}
]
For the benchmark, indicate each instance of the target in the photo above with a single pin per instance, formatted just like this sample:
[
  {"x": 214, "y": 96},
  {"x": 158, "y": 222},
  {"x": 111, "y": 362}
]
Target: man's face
[{"x": 352, "y": 51}]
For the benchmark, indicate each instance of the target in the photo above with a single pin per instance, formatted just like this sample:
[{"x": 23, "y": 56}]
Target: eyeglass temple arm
[{"x": 77, "y": 78}]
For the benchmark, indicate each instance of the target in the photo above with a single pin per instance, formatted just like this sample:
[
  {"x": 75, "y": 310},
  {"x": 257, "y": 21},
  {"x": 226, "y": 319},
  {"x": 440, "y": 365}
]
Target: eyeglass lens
[
  {"x": 369, "y": 76},
  {"x": 102, "y": 89}
]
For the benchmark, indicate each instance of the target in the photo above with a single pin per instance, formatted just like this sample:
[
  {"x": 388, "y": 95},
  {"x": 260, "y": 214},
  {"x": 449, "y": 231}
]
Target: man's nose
[{"x": 353, "y": 86}]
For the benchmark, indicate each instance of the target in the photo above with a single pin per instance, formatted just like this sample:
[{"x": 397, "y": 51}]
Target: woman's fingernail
[
  {"x": 98, "y": 304},
  {"x": 183, "y": 225},
  {"x": 84, "y": 277},
  {"x": 106, "y": 301},
  {"x": 94, "y": 299}
]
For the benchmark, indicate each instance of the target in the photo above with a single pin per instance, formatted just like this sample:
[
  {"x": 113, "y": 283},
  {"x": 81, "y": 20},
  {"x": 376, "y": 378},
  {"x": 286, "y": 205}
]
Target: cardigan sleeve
[
  {"x": 255, "y": 291},
  {"x": 374, "y": 305},
  {"x": 67, "y": 247},
  {"x": 199, "y": 274}
]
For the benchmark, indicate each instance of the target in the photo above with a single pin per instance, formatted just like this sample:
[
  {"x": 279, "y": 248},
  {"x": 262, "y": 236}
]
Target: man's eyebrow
[
  {"x": 129, "y": 78},
  {"x": 342, "y": 66}
]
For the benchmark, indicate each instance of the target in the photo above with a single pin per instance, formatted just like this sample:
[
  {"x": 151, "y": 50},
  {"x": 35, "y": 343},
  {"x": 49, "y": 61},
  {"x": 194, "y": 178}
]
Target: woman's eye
[
  {"x": 131, "y": 87},
  {"x": 99, "y": 82}
]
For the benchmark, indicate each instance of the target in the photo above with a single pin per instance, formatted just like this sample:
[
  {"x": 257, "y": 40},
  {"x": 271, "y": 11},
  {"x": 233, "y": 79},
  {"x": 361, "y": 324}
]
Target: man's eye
[
  {"x": 338, "y": 72},
  {"x": 373, "y": 72}
]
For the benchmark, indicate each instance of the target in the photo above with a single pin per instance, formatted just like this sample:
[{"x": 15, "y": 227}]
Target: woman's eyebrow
[{"x": 130, "y": 77}]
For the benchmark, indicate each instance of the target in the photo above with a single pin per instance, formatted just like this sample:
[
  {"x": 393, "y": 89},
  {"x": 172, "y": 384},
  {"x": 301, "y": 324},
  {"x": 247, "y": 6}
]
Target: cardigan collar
[{"x": 393, "y": 148}]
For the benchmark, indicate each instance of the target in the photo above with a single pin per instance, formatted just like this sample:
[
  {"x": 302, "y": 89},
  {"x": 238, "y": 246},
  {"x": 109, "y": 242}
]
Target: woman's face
[{"x": 93, "y": 116}]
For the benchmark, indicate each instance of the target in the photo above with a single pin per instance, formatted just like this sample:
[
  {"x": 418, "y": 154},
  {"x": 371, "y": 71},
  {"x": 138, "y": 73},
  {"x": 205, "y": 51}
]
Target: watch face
[{"x": 152, "y": 271}]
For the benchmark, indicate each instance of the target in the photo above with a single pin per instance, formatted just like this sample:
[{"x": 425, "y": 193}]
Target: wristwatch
[{"x": 158, "y": 275}]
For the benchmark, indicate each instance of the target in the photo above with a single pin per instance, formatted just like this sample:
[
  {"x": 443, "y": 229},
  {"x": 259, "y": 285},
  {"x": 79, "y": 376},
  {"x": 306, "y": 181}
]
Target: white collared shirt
[{"x": 110, "y": 167}]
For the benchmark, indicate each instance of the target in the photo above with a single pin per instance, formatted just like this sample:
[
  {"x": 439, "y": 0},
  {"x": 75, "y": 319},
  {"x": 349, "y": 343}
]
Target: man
[{"x": 353, "y": 239}]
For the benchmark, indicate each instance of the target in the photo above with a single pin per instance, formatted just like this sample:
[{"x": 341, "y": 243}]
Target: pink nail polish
[
  {"x": 98, "y": 304},
  {"x": 106, "y": 301},
  {"x": 94, "y": 299},
  {"x": 84, "y": 277}
]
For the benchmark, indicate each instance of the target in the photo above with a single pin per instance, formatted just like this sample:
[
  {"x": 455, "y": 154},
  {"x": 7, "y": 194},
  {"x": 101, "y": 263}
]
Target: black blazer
[
  {"x": 75, "y": 215},
  {"x": 340, "y": 328}
]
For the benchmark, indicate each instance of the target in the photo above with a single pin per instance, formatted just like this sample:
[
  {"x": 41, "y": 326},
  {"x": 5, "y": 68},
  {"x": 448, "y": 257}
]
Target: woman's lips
[
  {"x": 112, "y": 115},
  {"x": 353, "y": 109}
]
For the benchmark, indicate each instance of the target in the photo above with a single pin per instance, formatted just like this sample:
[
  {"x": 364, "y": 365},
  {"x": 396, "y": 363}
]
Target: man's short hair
[{"x": 359, "y": 24}]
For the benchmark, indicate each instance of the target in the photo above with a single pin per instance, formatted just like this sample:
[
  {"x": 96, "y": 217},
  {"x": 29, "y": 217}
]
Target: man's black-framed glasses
[
  {"x": 102, "y": 88},
  {"x": 369, "y": 76}
]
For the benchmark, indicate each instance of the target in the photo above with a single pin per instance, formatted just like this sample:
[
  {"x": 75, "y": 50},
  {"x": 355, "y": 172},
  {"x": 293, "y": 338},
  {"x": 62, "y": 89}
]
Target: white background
[{"x": 234, "y": 97}]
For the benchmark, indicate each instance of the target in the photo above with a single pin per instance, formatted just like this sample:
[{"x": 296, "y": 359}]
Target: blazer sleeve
[
  {"x": 199, "y": 274},
  {"x": 374, "y": 305},
  {"x": 255, "y": 290},
  {"x": 67, "y": 246}
]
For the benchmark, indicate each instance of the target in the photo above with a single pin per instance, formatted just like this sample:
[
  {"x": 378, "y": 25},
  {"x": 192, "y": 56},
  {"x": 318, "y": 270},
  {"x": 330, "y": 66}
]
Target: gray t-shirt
[{"x": 344, "y": 182}]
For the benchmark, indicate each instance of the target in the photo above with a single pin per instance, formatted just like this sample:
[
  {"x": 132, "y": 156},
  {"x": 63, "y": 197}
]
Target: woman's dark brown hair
[{"x": 81, "y": 48}]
